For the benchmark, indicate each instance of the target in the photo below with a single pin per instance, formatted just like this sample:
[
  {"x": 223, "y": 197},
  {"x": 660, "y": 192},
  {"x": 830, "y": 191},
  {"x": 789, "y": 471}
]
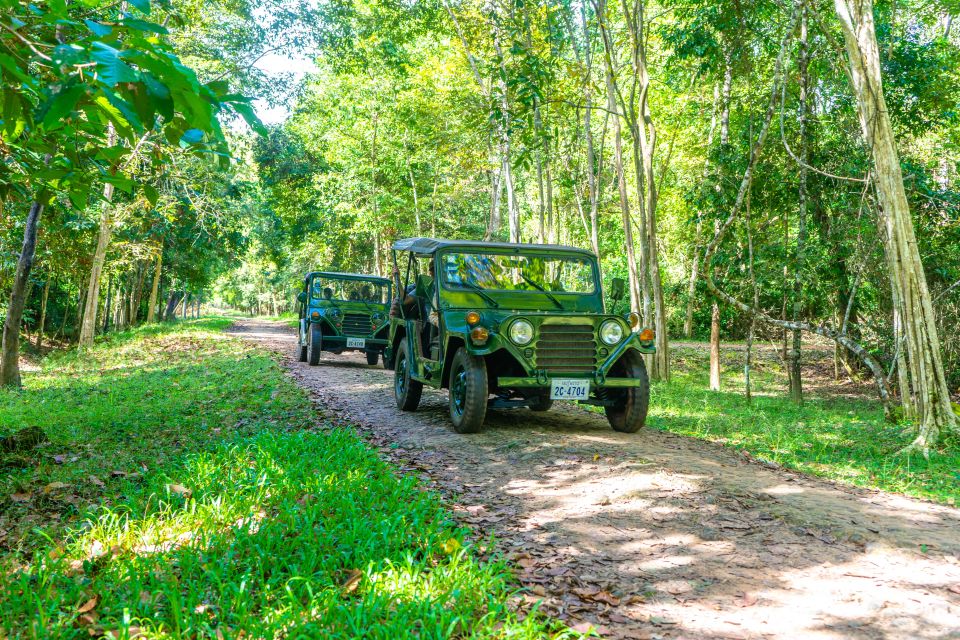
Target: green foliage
[
  {"x": 229, "y": 508},
  {"x": 839, "y": 438}
]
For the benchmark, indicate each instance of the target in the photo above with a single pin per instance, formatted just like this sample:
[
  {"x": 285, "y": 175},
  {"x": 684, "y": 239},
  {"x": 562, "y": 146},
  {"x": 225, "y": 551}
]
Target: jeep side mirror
[
  {"x": 617, "y": 289},
  {"x": 302, "y": 297}
]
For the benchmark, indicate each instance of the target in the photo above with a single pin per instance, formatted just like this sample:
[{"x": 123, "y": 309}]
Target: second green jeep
[
  {"x": 512, "y": 325},
  {"x": 343, "y": 312}
]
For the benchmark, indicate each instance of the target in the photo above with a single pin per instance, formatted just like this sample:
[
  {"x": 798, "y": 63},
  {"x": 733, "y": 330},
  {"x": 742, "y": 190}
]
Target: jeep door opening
[
  {"x": 343, "y": 312},
  {"x": 512, "y": 325}
]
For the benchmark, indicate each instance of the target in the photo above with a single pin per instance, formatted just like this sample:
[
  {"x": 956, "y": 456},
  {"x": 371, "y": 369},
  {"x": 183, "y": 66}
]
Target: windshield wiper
[
  {"x": 553, "y": 298},
  {"x": 479, "y": 291}
]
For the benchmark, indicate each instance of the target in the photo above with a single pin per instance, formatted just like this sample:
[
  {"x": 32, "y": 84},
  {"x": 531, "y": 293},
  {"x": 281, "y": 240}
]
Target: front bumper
[
  {"x": 340, "y": 342},
  {"x": 544, "y": 381}
]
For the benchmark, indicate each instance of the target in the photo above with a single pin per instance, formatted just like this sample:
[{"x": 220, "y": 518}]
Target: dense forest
[{"x": 766, "y": 169}]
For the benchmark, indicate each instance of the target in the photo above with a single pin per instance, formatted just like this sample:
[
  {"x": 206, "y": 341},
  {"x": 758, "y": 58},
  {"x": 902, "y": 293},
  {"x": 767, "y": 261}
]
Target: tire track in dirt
[{"x": 653, "y": 535}]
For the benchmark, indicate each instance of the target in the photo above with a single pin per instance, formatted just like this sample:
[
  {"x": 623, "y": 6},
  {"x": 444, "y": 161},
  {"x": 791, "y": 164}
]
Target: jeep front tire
[
  {"x": 372, "y": 357},
  {"x": 406, "y": 390},
  {"x": 316, "y": 344},
  {"x": 629, "y": 413},
  {"x": 468, "y": 392}
]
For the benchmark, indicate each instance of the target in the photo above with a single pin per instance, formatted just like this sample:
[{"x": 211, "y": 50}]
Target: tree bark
[
  {"x": 633, "y": 274},
  {"x": 932, "y": 395},
  {"x": 695, "y": 260},
  {"x": 10, "y": 347},
  {"x": 155, "y": 289},
  {"x": 89, "y": 326},
  {"x": 793, "y": 361},
  {"x": 715, "y": 348},
  {"x": 43, "y": 313}
]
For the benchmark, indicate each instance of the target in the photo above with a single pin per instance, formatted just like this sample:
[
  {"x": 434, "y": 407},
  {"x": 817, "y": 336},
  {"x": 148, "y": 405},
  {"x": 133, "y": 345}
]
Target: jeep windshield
[
  {"x": 541, "y": 274},
  {"x": 335, "y": 290}
]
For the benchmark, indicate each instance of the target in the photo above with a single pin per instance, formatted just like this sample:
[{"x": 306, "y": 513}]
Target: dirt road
[{"x": 658, "y": 536}]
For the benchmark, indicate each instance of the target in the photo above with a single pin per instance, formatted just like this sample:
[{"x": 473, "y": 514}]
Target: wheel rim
[
  {"x": 401, "y": 375},
  {"x": 458, "y": 390}
]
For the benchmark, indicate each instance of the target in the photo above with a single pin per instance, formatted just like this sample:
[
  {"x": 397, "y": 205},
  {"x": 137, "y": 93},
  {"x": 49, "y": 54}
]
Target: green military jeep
[
  {"x": 343, "y": 312},
  {"x": 523, "y": 323}
]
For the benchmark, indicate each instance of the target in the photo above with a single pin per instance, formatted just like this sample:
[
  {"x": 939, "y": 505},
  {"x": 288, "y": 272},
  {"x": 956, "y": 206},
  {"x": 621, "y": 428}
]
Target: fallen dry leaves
[
  {"x": 350, "y": 585},
  {"x": 89, "y": 605}
]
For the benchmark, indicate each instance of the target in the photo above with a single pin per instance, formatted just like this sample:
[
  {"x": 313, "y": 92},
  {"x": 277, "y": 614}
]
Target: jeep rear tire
[
  {"x": 629, "y": 414},
  {"x": 468, "y": 392},
  {"x": 406, "y": 390},
  {"x": 302, "y": 353},
  {"x": 372, "y": 357},
  {"x": 316, "y": 344}
]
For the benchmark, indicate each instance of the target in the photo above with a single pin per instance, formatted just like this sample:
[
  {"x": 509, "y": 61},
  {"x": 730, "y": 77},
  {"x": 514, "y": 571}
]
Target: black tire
[
  {"x": 315, "y": 345},
  {"x": 302, "y": 353},
  {"x": 629, "y": 415},
  {"x": 406, "y": 390},
  {"x": 468, "y": 392},
  {"x": 372, "y": 357},
  {"x": 540, "y": 402}
]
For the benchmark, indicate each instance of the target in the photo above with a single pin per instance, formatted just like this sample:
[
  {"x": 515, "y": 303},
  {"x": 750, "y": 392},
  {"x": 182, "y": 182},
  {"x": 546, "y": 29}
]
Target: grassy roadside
[
  {"x": 184, "y": 494},
  {"x": 842, "y": 439}
]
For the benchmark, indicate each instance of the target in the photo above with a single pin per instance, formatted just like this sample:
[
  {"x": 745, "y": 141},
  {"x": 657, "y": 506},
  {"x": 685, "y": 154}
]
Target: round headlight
[
  {"x": 336, "y": 313},
  {"x": 377, "y": 317},
  {"x": 611, "y": 332},
  {"x": 521, "y": 332}
]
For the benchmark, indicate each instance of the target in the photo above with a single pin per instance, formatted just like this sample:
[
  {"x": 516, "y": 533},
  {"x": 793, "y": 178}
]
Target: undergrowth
[{"x": 187, "y": 490}]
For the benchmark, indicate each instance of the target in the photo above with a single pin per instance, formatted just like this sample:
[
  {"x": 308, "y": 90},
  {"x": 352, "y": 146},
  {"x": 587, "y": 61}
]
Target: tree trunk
[
  {"x": 155, "y": 289},
  {"x": 715, "y": 348},
  {"x": 932, "y": 396},
  {"x": 43, "y": 313},
  {"x": 106, "y": 308},
  {"x": 633, "y": 274},
  {"x": 695, "y": 260},
  {"x": 89, "y": 326},
  {"x": 10, "y": 347},
  {"x": 416, "y": 200},
  {"x": 793, "y": 361}
]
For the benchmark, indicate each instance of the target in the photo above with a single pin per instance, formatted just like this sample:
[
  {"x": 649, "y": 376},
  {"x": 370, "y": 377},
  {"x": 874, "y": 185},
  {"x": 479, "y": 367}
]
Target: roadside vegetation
[
  {"x": 840, "y": 437},
  {"x": 187, "y": 489}
]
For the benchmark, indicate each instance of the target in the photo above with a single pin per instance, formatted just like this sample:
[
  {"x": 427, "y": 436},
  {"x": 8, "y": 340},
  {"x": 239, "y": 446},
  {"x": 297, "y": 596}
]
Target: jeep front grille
[
  {"x": 566, "y": 348},
  {"x": 356, "y": 324}
]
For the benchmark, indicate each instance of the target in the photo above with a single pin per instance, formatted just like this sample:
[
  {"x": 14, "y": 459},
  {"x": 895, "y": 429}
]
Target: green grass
[
  {"x": 839, "y": 438},
  {"x": 188, "y": 491},
  {"x": 288, "y": 318}
]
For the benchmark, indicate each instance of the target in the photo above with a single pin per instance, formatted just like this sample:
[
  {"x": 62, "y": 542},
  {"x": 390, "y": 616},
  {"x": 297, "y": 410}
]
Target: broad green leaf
[
  {"x": 129, "y": 114},
  {"x": 143, "y": 25},
  {"x": 109, "y": 112},
  {"x": 191, "y": 136},
  {"x": 111, "y": 69},
  {"x": 248, "y": 114},
  {"x": 151, "y": 194},
  {"x": 142, "y": 5},
  {"x": 60, "y": 106},
  {"x": 99, "y": 30}
]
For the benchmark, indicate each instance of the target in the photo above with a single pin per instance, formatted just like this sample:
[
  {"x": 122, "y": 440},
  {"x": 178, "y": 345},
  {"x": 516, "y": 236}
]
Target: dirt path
[{"x": 658, "y": 536}]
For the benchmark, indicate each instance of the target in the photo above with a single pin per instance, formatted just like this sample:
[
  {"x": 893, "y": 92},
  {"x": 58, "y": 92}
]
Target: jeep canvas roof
[{"x": 432, "y": 245}]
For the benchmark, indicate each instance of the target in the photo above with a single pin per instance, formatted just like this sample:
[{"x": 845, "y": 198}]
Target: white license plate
[
  {"x": 561, "y": 389},
  {"x": 356, "y": 343}
]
